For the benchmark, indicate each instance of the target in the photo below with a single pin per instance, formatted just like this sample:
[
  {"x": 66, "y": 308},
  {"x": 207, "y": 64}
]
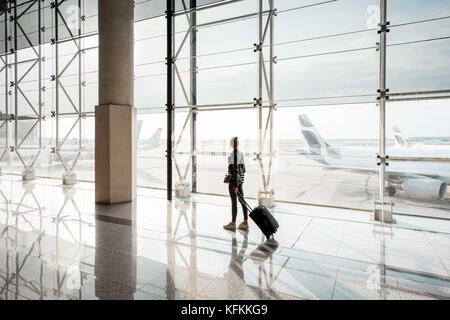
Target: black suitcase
[{"x": 262, "y": 217}]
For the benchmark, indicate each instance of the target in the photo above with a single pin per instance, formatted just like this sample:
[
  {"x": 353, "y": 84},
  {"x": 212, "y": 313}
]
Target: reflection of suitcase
[
  {"x": 264, "y": 251},
  {"x": 262, "y": 217}
]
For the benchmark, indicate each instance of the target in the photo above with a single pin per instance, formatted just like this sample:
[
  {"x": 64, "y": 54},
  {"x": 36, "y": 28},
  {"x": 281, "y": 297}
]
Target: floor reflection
[
  {"x": 55, "y": 243},
  {"x": 115, "y": 252},
  {"x": 235, "y": 273}
]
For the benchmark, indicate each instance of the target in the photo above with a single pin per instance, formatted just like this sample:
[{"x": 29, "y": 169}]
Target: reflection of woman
[
  {"x": 235, "y": 272},
  {"x": 236, "y": 170}
]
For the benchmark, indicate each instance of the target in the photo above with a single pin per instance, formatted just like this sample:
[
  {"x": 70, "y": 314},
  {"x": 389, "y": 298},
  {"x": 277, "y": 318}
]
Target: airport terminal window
[{"x": 324, "y": 124}]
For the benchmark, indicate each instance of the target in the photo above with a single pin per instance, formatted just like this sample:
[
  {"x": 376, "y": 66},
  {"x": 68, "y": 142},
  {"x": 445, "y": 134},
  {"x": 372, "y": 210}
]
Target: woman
[{"x": 236, "y": 170}]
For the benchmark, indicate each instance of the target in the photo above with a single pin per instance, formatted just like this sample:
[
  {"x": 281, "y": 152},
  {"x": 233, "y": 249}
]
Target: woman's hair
[{"x": 233, "y": 141}]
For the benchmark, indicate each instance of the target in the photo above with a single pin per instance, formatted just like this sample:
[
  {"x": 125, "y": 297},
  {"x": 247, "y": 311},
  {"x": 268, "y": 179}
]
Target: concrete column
[{"x": 115, "y": 116}]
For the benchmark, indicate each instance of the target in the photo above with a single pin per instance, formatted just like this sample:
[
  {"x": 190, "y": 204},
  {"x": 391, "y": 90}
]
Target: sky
[{"x": 413, "y": 67}]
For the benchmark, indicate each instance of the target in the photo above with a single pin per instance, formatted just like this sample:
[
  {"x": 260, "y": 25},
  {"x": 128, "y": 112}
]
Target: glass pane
[
  {"x": 327, "y": 155},
  {"x": 424, "y": 134}
]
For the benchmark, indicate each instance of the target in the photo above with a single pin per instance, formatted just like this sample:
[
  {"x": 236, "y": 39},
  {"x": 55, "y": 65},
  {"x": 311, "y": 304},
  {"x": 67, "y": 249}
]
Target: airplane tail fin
[
  {"x": 154, "y": 140},
  {"x": 400, "y": 139},
  {"x": 311, "y": 135},
  {"x": 139, "y": 127}
]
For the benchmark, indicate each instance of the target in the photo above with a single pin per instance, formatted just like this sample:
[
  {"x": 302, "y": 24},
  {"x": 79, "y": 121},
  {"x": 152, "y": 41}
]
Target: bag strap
[{"x": 242, "y": 200}]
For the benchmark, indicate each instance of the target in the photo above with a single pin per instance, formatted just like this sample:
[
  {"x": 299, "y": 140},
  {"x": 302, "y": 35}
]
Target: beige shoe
[
  {"x": 230, "y": 226},
  {"x": 243, "y": 226}
]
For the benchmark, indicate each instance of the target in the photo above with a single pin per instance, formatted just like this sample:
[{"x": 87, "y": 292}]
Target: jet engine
[{"x": 429, "y": 189}]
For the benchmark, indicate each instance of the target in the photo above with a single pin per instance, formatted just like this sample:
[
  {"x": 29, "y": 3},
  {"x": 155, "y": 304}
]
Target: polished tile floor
[{"x": 55, "y": 243}]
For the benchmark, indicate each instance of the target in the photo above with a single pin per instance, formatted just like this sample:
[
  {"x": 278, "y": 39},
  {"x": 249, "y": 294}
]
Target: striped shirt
[{"x": 240, "y": 172}]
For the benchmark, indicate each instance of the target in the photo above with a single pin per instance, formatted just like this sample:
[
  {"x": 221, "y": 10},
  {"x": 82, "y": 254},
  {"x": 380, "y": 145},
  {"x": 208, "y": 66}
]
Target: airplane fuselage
[{"x": 365, "y": 158}]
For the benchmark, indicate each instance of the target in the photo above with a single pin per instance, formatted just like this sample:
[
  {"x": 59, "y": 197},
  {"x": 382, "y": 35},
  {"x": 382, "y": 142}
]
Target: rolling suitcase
[{"x": 262, "y": 217}]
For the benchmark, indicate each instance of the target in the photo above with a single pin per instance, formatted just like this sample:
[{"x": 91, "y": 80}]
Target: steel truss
[
  {"x": 14, "y": 112},
  {"x": 78, "y": 105},
  {"x": 265, "y": 75},
  {"x": 36, "y": 110},
  {"x": 5, "y": 118}
]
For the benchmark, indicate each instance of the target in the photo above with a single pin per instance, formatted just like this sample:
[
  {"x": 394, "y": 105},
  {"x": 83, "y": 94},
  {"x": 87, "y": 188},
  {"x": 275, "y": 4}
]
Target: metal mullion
[
  {"x": 170, "y": 100},
  {"x": 382, "y": 104},
  {"x": 420, "y": 159},
  {"x": 232, "y": 108},
  {"x": 68, "y": 97},
  {"x": 80, "y": 93},
  {"x": 26, "y": 99},
  {"x": 250, "y": 15},
  {"x": 417, "y": 93},
  {"x": 82, "y": 114},
  {"x": 16, "y": 91},
  {"x": 211, "y": 105},
  {"x": 420, "y": 98},
  {"x": 260, "y": 79},
  {"x": 40, "y": 71},
  {"x": 196, "y": 9},
  {"x": 57, "y": 82},
  {"x": 193, "y": 93},
  {"x": 271, "y": 71}
]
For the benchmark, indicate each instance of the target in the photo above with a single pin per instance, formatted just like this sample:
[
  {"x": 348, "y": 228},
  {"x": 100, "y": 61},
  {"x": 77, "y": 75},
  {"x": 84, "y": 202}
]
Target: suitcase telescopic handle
[{"x": 241, "y": 198}]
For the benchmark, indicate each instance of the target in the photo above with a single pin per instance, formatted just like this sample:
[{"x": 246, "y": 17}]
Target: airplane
[
  {"x": 152, "y": 143},
  {"x": 402, "y": 142},
  {"x": 423, "y": 180}
]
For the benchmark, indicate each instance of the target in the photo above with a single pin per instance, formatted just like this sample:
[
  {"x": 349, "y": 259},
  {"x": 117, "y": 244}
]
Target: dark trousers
[{"x": 234, "y": 199}]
